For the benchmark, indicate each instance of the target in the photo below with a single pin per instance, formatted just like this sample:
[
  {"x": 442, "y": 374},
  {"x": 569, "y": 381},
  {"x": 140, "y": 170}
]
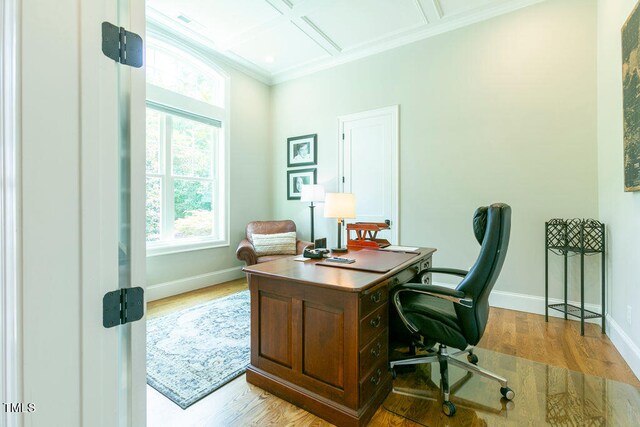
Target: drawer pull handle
[
  {"x": 375, "y": 351},
  {"x": 375, "y": 380},
  {"x": 375, "y": 322},
  {"x": 376, "y": 297}
]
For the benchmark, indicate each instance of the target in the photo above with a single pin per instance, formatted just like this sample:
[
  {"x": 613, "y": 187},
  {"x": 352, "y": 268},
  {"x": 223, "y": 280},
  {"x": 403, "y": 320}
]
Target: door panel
[
  {"x": 275, "y": 329},
  {"x": 369, "y": 166},
  {"x": 323, "y": 341},
  {"x": 113, "y": 221},
  {"x": 370, "y": 173}
]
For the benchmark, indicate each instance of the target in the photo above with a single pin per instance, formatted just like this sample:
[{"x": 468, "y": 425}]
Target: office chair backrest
[{"x": 492, "y": 227}]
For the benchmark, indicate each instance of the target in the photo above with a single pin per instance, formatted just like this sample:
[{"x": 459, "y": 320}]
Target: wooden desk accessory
[{"x": 366, "y": 235}]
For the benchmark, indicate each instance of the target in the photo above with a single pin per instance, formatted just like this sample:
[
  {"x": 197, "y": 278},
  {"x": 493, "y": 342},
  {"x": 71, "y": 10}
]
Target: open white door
[
  {"x": 113, "y": 217},
  {"x": 77, "y": 194},
  {"x": 369, "y": 166}
]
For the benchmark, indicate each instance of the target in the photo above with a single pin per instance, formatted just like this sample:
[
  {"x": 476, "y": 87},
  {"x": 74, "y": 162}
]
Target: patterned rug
[{"x": 193, "y": 352}]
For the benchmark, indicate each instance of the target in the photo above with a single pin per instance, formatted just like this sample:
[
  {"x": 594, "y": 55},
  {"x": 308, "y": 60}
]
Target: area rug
[{"x": 193, "y": 352}]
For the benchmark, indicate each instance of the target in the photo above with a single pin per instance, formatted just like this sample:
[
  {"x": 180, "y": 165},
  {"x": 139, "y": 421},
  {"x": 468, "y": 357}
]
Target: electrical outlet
[{"x": 629, "y": 315}]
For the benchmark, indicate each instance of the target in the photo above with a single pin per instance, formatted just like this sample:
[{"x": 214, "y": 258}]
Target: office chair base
[{"x": 444, "y": 359}]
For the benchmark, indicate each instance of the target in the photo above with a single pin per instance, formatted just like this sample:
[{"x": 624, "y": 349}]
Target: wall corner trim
[{"x": 629, "y": 351}]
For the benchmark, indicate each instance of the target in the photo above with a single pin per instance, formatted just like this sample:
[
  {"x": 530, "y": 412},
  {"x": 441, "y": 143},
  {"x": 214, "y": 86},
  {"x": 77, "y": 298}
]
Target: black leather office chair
[{"x": 432, "y": 314}]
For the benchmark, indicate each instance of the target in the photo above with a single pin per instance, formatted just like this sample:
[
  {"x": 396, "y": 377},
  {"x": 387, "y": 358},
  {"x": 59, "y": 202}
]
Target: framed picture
[
  {"x": 302, "y": 150},
  {"x": 631, "y": 101},
  {"x": 296, "y": 179}
]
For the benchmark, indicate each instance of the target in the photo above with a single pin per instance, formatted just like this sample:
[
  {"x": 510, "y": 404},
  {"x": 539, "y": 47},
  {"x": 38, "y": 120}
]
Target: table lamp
[
  {"x": 340, "y": 206},
  {"x": 312, "y": 193}
]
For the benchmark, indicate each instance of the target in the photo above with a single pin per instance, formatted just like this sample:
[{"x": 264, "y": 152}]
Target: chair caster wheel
[
  {"x": 448, "y": 408},
  {"x": 472, "y": 358},
  {"x": 507, "y": 393}
]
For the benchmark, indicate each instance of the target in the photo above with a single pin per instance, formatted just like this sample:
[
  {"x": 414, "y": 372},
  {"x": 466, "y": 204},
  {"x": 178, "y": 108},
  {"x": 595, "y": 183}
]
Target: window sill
[{"x": 166, "y": 248}]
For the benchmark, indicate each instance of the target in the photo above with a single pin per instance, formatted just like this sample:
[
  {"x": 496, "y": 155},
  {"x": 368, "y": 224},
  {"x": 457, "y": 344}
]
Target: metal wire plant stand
[{"x": 580, "y": 237}]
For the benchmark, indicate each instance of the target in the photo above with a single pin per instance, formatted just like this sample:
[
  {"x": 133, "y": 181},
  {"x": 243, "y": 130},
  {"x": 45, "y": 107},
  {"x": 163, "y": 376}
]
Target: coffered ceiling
[{"x": 277, "y": 40}]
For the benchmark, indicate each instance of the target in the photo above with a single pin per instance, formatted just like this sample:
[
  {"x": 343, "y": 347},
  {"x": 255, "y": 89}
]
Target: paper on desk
[
  {"x": 301, "y": 259},
  {"x": 399, "y": 249}
]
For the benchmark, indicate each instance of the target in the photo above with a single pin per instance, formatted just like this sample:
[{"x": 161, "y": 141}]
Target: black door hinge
[
  {"x": 121, "y": 45},
  {"x": 122, "y": 306}
]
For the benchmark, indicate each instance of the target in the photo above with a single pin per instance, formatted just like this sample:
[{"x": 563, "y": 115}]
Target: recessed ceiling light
[{"x": 269, "y": 59}]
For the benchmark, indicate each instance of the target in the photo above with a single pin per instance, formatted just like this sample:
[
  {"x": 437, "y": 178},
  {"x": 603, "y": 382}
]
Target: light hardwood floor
[{"x": 556, "y": 343}]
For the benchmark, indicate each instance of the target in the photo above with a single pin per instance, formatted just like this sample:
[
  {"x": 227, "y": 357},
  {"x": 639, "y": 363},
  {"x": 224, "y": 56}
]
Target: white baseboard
[
  {"x": 167, "y": 289},
  {"x": 627, "y": 348},
  {"x": 535, "y": 304}
]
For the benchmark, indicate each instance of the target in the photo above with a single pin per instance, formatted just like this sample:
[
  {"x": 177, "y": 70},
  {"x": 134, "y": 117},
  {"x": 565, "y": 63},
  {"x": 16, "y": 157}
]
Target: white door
[
  {"x": 113, "y": 217},
  {"x": 79, "y": 132},
  {"x": 369, "y": 166}
]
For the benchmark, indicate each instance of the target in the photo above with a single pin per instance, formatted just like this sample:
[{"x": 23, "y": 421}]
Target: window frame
[{"x": 169, "y": 102}]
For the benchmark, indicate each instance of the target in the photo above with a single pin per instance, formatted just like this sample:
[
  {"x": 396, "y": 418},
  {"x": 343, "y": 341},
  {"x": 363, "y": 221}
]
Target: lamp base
[{"x": 339, "y": 250}]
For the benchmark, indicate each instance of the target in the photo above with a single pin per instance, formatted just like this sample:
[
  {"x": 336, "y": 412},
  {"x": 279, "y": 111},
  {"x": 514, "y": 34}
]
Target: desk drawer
[
  {"x": 373, "y": 381},
  {"x": 372, "y": 354},
  {"x": 373, "y": 299},
  {"x": 373, "y": 324}
]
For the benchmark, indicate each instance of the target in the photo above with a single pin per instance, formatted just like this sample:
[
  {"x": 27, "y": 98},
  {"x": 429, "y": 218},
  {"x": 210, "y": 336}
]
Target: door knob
[{"x": 387, "y": 221}]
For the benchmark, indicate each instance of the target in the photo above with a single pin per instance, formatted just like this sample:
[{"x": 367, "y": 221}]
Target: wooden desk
[{"x": 319, "y": 335}]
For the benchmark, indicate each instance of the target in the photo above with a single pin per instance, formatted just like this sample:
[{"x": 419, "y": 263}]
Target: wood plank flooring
[{"x": 556, "y": 343}]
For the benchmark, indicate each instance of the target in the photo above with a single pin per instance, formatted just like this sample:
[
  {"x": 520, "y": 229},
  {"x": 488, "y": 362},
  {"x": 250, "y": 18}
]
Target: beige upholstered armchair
[{"x": 247, "y": 253}]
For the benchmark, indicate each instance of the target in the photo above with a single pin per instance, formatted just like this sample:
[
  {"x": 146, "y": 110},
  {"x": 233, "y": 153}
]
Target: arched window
[{"x": 187, "y": 119}]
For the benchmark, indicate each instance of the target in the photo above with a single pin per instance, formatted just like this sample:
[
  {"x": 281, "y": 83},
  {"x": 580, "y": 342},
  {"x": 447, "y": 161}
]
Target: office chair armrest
[
  {"x": 452, "y": 271},
  {"x": 453, "y": 295},
  {"x": 440, "y": 290}
]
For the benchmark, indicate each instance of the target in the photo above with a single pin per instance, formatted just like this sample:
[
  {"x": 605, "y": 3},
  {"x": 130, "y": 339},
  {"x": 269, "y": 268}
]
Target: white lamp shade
[
  {"x": 312, "y": 193},
  {"x": 340, "y": 205}
]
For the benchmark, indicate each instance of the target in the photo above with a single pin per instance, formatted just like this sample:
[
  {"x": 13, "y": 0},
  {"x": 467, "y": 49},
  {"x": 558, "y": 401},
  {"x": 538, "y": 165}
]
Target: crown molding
[{"x": 448, "y": 23}]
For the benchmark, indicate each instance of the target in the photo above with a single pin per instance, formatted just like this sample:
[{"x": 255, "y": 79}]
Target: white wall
[
  {"x": 250, "y": 197},
  {"x": 50, "y": 210},
  {"x": 503, "y": 110},
  {"x": 619, "y": 210}
]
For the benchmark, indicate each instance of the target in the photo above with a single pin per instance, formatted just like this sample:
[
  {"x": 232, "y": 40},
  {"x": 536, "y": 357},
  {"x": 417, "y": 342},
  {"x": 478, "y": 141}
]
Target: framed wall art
[
  {"x": 631, "y": 100},
  {"x": 302, "y": 150},
  {"x": 296, "y": 179}
]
